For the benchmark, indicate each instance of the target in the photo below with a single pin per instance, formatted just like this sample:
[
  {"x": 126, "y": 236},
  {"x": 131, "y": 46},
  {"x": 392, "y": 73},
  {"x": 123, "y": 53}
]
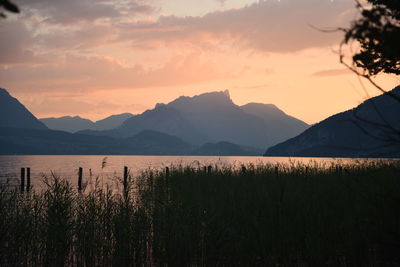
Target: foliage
[
  {"x": 378, "y": 33},
  {"x": 8, "y": 6},
  {"x": 264, "y": 215}
]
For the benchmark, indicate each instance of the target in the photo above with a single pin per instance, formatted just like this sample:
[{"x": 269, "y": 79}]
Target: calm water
[{"x": 67, "y": 166}]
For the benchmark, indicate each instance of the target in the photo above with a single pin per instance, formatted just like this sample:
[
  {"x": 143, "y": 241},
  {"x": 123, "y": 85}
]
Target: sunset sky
[{"x": 94, "y": 58}]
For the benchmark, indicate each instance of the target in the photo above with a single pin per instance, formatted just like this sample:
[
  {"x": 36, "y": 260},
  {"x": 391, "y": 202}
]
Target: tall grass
[{"x": 263, "y": 215}]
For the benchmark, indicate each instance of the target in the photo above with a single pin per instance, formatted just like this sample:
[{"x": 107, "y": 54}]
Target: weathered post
[
  {"x": 125, "y": 180},
  {"x": 276, "y": 171},
  {"x": 80, "y": 174},
  {"x": 167, "y": 183},
  {"x": 209, "y": 169},
  {"x": 205, "y": 169},
  {"x": 22, "y": 179},
  {"x": 28, "y": 179},
  {"x": 243, "y": 169},
  {"x": 166, "y": 175}
]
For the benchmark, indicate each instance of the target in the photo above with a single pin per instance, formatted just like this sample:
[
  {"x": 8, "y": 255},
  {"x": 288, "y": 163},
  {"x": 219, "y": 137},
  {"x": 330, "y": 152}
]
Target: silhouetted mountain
[
  {"x": 225, "y": 149},
  {"x": 68, "y": 123},
  {"x": 112, "y": 121},
  {"x": 153, "y": 143},
  {"x": 14, "y": 141},
  {"x": 177, "y": 128},
  {"x": 163, "y": 119},
  {"x": 14, "y": 114},
  {"x": 76, "y": 123},
  {"x": 217, "y": 117},
  {"x": 280, "y": 126},
  {"x": 212, "y": 117},
  {"x": 370, "y": 130}
]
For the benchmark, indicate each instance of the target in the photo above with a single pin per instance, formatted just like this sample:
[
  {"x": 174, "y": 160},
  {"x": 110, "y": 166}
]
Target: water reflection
[{"x": 110, "y": 167}]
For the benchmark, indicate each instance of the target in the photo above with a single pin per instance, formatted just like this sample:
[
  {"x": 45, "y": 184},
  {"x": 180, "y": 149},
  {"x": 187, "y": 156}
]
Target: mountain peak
[
  {"x": 226, "y": 92},
  {"x": 215, "y": 99},
  {"x": 266, "y": 106},
  {"x": 4, "y": 93},
  {"x": 372, "y": 133},
  {"x": 264, "y": 110},
  {"x": 15, "y": 115},
  {"x": 3, "y": 90}
]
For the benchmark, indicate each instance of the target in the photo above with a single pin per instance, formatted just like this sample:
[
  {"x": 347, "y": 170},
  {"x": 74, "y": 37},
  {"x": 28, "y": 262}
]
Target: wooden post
[
  {"x": 28, "y": 179},
  {"x": 125, "y": 179},
  {"x": 166, "y": 175},
  {"x": 243, "y": 169},
  {"x": 205, "y": 169},
  {"x": 209, "y": 169},
  {"x": 80, "y": 173},
  {"x": 338, "y": 169},
  {"x": 276, "y": 171},
  {"x": 22, "y": 179}
]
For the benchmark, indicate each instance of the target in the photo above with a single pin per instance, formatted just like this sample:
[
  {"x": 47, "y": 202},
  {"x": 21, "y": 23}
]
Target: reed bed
[{"x": 253, "y": 215}]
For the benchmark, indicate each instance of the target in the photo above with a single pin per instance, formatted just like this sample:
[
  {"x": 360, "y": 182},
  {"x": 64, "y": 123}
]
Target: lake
[{"x": 67, "y": 165}]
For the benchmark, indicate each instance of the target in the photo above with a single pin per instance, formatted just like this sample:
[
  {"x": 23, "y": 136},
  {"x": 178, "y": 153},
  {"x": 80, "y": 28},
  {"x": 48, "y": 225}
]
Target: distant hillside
[
  {"x": 14, "y": 114},
  {"x": 68, "y": 123},
  {"x": 14, "y": 141},
  {"x": 76, "y": 123},
  {"x": 111, "y": 122},
  {"x": 361, "y": 132},
  {"x": 162, "y": 119},
  {"x": 211, "y": 118},
  {"x": 153, "y": 143},
  {"x": 280, "y": 125}
]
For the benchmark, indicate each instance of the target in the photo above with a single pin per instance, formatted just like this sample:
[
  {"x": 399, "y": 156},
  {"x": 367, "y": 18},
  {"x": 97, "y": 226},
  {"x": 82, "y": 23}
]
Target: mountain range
[
  {"x": 207, "y": 124},
  {"x": 212, "y": 118},
  {"x": 372, "y": 129},
  {"x": 76, "y": 123}
]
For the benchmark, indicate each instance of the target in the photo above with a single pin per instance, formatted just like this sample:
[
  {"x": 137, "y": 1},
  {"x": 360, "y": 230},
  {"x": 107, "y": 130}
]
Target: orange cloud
[
  {"x": 270, "y": 26},
  {"x": 75, "y": 11},
  {"x": 333, "y": 72},
  {"x": 96, "y": 72}
]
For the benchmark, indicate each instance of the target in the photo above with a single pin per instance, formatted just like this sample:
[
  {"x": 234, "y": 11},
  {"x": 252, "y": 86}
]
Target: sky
[{"x": 95, "y": 58}]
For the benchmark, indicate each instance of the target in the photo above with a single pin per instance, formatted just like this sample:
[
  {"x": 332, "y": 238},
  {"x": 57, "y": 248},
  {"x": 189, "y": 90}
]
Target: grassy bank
[{"x": 264, "y": 215}]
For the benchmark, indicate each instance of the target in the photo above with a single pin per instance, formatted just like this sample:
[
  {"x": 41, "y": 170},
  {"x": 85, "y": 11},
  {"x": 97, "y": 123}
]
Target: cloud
[
  {"x": 269, "y": 26},
  {"x": 266, "y": 26},
  {"x": 58, "y": 25},
  {"x": 15, "y": 44},
  {"x": 83, "y": 37},
  {"x": 221, "y": 2},
  {"x": 333, "y": 72},
  {"x": 73, "y": 11},
  {"x": 81, "y": 73},
  {"x": 49, "y": 106},
  {"x": 61, "y": 45}
]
